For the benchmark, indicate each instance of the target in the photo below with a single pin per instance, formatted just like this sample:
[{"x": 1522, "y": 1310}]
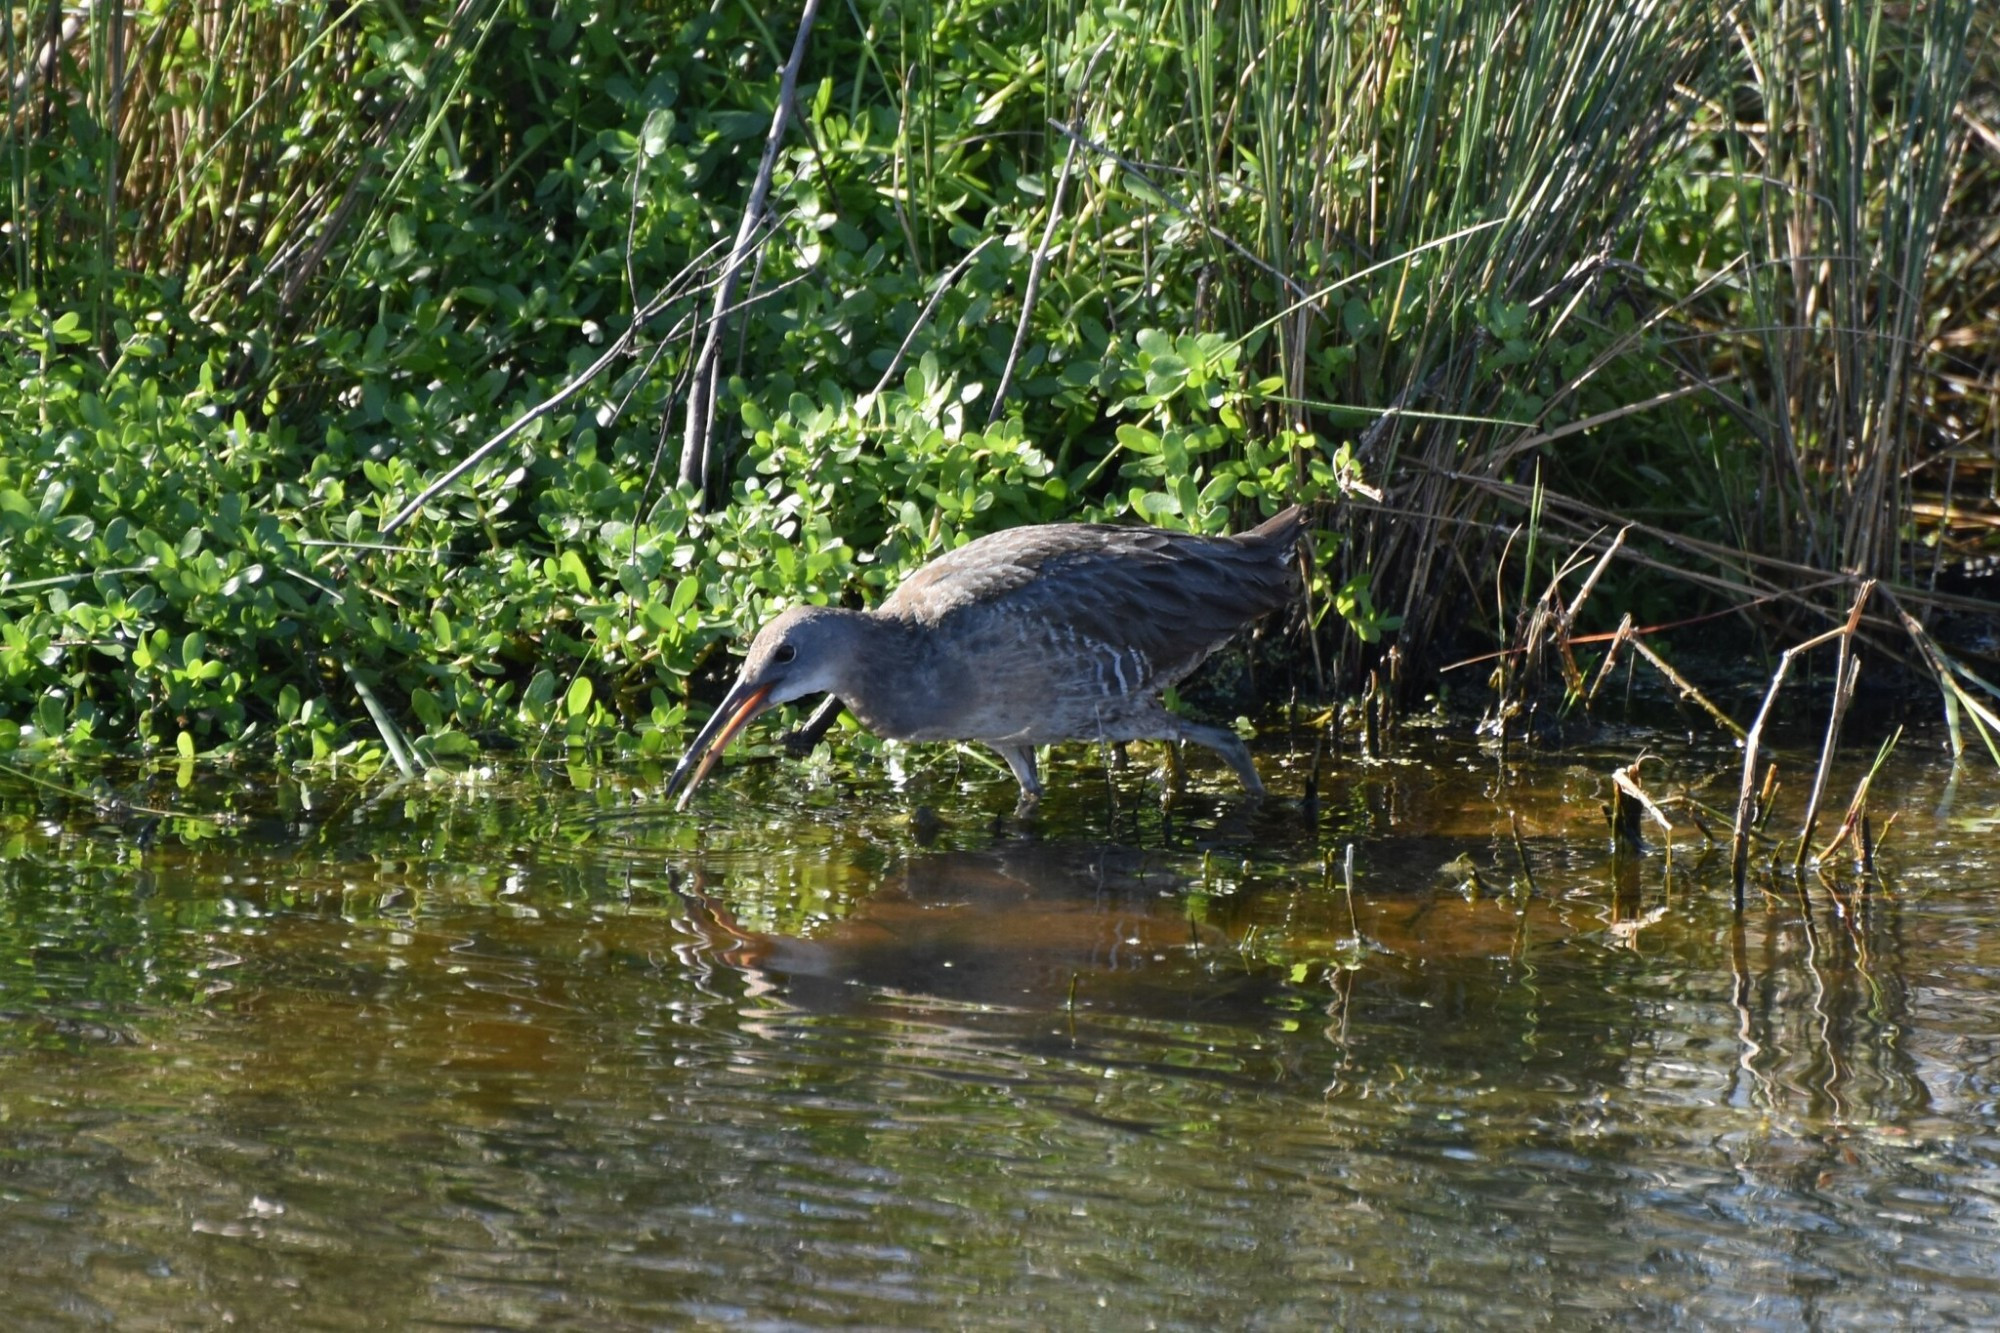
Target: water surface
[{"x": 526, "y": 1049}]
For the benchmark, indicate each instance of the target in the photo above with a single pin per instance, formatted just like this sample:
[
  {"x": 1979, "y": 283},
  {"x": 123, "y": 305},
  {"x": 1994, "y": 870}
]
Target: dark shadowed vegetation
[{"x": 1497, "y": 285}]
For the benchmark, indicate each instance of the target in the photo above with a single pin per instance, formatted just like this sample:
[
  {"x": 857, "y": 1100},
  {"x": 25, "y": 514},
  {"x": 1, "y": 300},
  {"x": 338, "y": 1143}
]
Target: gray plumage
[{"x": 1055, "y": 632}]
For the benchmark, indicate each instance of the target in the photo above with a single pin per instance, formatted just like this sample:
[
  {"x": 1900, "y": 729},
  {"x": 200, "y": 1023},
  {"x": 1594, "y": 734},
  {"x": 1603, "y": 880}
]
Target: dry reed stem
[
  {"x": 1629, "y": 802},
  {"x": 1618, "y": 639},
  {"x": 1687, "y": 688},
  {"x": 1845, "y": 673},
  {"x": 1773, "y": 576},
  {"x": 1566, "y": 619},
  {"x": 1739, "y": 852},
  {"x": 1521, "y": 850},
  {"x": 1854, "y": 823}
]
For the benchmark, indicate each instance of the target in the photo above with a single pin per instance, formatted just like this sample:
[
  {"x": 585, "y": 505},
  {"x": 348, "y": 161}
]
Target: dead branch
[{"x": 697, "y": 458}]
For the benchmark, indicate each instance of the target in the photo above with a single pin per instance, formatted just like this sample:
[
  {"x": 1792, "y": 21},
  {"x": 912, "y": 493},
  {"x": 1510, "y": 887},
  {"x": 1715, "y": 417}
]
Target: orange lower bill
[{"x": 714, "y": 739}]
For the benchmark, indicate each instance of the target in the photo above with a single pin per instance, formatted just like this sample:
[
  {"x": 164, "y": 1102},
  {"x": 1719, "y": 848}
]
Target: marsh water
[{"x": 848, "y": 1044}]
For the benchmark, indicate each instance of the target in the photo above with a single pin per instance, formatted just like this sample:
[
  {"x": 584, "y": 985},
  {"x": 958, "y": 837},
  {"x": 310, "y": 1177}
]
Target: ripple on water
[{"x": 542, "y": 1054}]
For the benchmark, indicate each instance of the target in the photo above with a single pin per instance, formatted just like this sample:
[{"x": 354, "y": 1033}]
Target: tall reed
[
  {"x": 1844, "y": 167},
  {"x": 227, "y": 149},
  {"x": 1404, "y": 206}
]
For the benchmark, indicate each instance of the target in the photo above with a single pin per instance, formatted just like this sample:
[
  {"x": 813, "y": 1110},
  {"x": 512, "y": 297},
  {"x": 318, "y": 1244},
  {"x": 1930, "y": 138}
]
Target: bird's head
[{"x": 807, "y": 650}]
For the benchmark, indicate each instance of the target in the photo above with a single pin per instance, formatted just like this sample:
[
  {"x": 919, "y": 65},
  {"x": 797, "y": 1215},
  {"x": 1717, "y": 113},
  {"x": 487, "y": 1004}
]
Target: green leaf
[
  {"x": 427, "y": 708},
  {"x": 540, "y": 690},
  {"x": 1138, "y": 440}
]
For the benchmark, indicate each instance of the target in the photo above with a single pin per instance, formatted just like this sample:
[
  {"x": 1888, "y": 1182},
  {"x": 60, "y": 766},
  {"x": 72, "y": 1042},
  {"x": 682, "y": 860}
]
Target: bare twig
[
  {"x": 619, "y": 346},
  {"x": 1036, "y": 267},
  {"x": 513, "y": 428},
  {"x": 697, "y": 459},
  {"x": 923, "y": 318}
]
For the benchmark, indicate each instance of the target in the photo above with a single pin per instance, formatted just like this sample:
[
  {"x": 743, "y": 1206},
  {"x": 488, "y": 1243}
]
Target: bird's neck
[{"x": 891, "y": 677}]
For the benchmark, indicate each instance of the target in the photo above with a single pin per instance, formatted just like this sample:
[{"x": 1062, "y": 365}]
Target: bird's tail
[{"x": 1282, "y": 529}]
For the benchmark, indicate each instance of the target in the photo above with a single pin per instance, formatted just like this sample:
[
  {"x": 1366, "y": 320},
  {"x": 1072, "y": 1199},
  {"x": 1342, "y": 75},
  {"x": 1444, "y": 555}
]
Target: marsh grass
[{"x": 1489, "y": 282}]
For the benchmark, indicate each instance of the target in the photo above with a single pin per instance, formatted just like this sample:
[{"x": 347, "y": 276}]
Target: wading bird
[{"x": 1053, "y": 632}]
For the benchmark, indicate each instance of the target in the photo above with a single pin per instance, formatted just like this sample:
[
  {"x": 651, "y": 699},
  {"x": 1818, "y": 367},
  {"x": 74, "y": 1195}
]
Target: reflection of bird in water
[
  {"x": 1016, "y": 926},
  {"x": 1056, "y": 632}
]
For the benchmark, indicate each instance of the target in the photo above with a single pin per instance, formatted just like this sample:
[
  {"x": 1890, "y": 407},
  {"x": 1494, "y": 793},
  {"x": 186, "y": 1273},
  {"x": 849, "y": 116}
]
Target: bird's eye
[{"x": 785, "y": 653}]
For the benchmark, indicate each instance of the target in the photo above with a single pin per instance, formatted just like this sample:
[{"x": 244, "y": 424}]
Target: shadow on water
[{"x": 532, "y": 1051}]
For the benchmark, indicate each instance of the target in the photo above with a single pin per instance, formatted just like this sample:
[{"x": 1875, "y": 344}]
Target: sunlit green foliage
[{"x": 274, "y": 268}]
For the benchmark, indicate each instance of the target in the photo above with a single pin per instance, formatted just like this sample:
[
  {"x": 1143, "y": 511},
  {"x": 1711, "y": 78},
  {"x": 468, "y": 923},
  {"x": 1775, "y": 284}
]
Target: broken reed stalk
[
  {"x": 1843, "y": 691},
  {"x": 1619, "y": 637},
  {"x": 1688, "y": 690},
  {"x": 1845, "y": 673},
  {"x": 1629, "y": 803},
  {"x": 1627, "y": 634},
  {"x": 1746, "y": 799},
  {"x": 1567, "y": 620},
  {"x": 1625, "y": 815}
]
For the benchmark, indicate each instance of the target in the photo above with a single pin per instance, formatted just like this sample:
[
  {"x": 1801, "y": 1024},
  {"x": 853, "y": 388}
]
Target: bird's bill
[{"x": 742, "y": 703}]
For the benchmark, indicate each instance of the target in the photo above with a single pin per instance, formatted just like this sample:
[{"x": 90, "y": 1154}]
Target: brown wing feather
[{"x": 1069, "y": 605}]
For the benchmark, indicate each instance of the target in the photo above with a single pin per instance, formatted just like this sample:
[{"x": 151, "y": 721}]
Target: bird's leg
[
  {"x": 1021, "y": 759},
  {"x": 1227, "y": 744},
  {"x": 800, "y": 743}
]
